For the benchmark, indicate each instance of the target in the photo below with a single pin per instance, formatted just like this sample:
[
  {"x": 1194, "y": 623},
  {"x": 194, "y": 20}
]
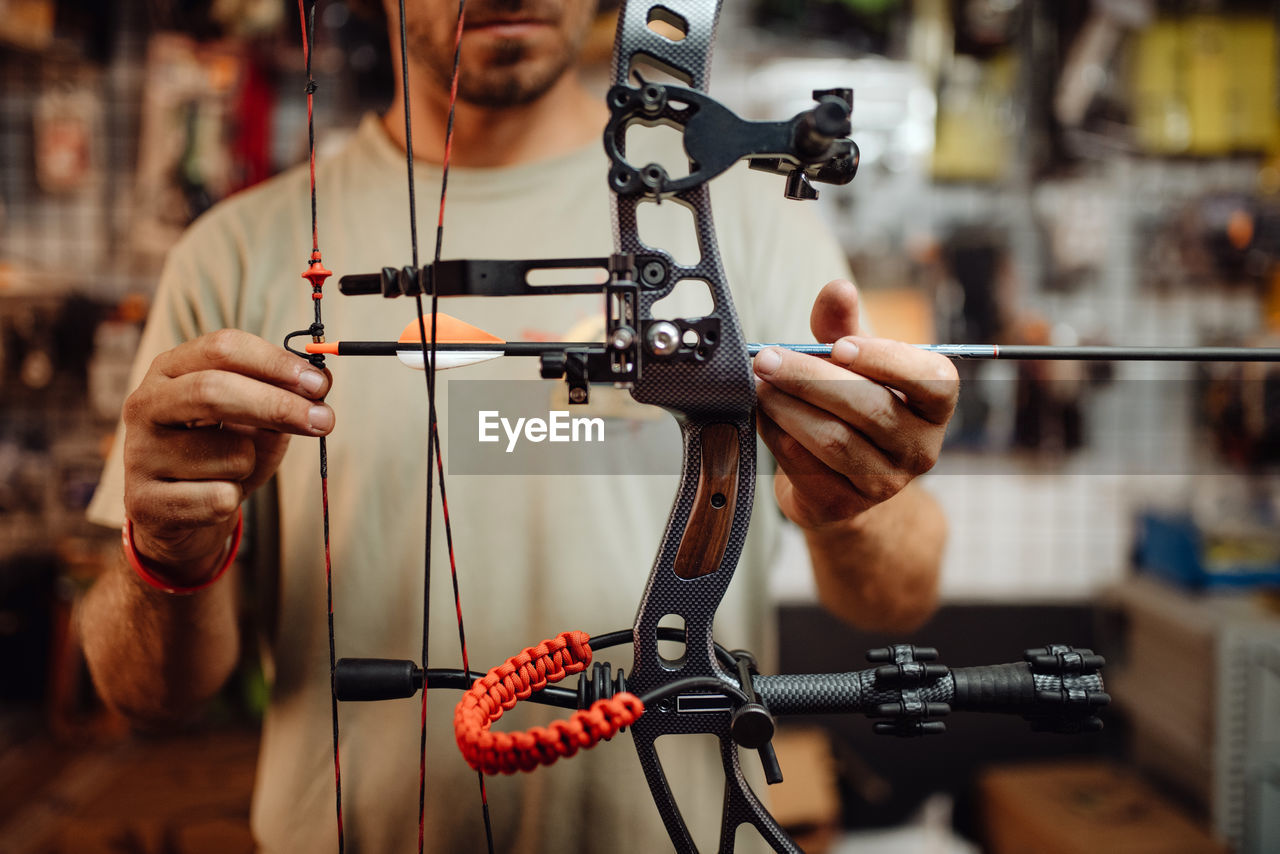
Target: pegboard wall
[{"x": 1024, "y": 525}]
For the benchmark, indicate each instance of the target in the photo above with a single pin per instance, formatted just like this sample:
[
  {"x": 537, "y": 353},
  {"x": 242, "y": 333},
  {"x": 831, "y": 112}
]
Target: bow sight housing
[{"x": 812, "y": 146}]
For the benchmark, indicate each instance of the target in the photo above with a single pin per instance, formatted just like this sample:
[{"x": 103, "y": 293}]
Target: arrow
[{"x": 459, "y": 343}]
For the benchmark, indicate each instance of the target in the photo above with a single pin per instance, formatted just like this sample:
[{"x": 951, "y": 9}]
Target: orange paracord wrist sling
[{"x": 514, "y": 680}]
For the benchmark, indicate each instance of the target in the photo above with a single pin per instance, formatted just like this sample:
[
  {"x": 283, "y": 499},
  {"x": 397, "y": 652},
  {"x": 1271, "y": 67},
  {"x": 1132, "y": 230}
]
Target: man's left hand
[{"x": 851, "y": 432}]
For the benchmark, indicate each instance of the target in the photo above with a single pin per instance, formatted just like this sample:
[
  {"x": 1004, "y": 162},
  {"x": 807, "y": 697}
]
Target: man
[{"x": 217, "y": 401}]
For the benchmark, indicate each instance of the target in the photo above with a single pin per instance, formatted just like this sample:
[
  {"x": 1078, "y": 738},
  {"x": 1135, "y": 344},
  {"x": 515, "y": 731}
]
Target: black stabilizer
[
  {"x": 367, "y": 679},
  {"x": 1056, "y": 688},
  {"x": 360, "y": 284}
]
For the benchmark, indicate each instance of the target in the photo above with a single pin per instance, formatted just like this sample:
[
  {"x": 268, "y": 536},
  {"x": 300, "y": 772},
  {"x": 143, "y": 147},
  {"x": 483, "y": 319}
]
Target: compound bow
[{"x": 698, "y": 369}]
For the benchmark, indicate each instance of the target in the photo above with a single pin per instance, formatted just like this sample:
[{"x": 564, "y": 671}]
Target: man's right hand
[{"x": 208, "y": 425}]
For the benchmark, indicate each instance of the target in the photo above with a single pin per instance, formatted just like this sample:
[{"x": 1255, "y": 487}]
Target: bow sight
[{"x": 812, "y": 146}]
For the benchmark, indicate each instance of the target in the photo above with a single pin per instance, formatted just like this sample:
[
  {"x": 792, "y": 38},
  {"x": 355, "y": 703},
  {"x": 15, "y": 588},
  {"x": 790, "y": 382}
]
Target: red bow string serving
[{"x": 316, "y": 274}]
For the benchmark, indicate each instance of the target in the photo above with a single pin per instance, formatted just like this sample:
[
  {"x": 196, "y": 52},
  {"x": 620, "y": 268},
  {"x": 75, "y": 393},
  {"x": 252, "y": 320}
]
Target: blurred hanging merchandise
[
  {"x": 1214, "y": 240},
  {"x": 984, "y": 27},
  {"x": 250, "y": 18},
  {"x": 27, "y": 24},
  {"x": 1239, "y": 406},
  {"x": 1078, "y": 220},
  {"x": 67, "y": 119},
  {"x": 184, "y": 158},
  {"x": 1205, "y": 85},
  {"x": 1090, "y": 60},
  {"x": 977, "y": 119},
  {"x": 857, "y": 27}
]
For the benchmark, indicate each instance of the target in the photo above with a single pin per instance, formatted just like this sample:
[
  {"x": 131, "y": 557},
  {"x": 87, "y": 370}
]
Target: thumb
[{"x": 835, "y": 312}]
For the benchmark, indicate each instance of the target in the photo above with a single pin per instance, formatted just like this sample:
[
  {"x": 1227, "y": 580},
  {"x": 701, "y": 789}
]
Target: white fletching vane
[{"x": 447, "y": 358}]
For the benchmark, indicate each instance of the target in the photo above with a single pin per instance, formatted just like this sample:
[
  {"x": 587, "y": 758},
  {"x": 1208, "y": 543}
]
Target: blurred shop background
[{"x": 1073, "y": 172}]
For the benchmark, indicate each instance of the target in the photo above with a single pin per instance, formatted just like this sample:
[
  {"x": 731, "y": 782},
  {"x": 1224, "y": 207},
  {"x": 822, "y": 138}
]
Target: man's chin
[
  {"x": 503, "y": 98},
  {"x": 507, "y": 88}
]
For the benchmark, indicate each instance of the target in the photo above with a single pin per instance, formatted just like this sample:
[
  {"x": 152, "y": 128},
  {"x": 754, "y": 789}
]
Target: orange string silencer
[{"x": 316, "y": 274}]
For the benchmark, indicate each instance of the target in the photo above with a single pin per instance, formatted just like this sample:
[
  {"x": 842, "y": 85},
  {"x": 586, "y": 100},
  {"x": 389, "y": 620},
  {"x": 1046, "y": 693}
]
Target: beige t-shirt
[{"x": 537, "y": 555}]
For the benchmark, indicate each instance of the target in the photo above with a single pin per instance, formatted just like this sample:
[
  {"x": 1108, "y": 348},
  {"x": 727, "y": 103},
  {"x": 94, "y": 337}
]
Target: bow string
[{"x": 317, "y": 275}]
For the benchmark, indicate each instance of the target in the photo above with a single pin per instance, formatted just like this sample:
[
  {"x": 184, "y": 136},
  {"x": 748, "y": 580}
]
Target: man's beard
[
  {"x": 506, "y": 83},
  {"x": 509, "y": 81}
]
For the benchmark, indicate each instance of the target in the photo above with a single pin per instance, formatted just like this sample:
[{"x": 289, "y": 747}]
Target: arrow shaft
[{"x": 952, "y": 351}]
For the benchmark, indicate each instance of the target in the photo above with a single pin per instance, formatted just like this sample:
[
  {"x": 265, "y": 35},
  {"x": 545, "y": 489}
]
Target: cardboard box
[
  {"x": 807, "y": 802},
  {"x": 1083, "y": 808}
]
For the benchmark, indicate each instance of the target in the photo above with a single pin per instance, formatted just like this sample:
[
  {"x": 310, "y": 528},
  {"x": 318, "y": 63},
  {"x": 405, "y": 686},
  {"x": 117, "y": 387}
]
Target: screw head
[
  {"x": 622, "y": 338},
  {"x": 653, "y": 273},
  {"x": 653, "y": 97},
  {"x": 664, "y": 338}
]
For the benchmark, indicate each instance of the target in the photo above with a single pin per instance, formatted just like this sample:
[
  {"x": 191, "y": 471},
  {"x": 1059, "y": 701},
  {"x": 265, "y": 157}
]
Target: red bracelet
[{"x": 135, "y": 560}]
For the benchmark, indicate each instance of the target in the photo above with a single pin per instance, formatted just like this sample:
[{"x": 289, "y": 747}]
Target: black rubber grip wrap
[
  {"x": 1011, "y": 687},
  {"x": 996, "y": 686}
]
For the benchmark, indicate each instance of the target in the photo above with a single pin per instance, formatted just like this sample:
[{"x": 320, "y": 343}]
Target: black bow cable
[{"x": 434, "y": 452}]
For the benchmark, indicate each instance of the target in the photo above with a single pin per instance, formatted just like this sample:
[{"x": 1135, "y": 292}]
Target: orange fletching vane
[{"x": 449, "y": 330}]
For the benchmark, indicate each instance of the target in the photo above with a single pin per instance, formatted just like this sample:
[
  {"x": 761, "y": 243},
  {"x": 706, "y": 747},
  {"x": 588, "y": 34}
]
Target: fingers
[
  {"x": 811, "y": 438},
  {"x": 208, "y": 425},
  {"x": 180, "y": 478},
  {"x": 835, "y": 312},
  {"x": 183, "y": 525},
  {"x": 851, "y": 432},
  {"x": 247, "y": 355},
  {"x": 232, "y": 377},
  {"x": 827, "y": 407},
  {"x": 219, "y": 397},
  {"x": 204, "y": 454},
  {"x": 928, "y": 381},
  {"x": 164, "y": 507},
  {"x": 811, "y": 493}
]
